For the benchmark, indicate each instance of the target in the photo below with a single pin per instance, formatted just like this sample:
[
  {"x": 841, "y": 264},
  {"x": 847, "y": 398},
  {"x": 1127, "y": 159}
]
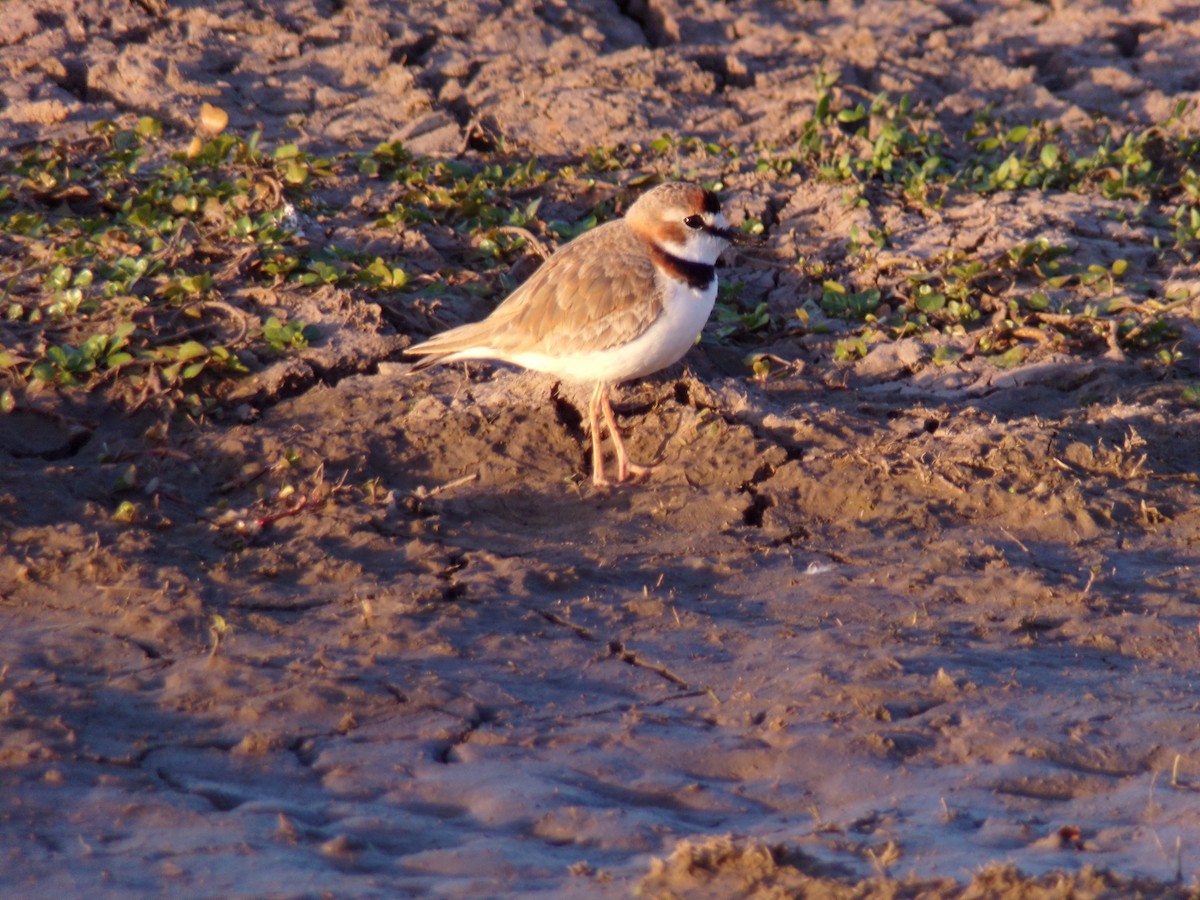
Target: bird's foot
[{"x": 627, "y": 470}]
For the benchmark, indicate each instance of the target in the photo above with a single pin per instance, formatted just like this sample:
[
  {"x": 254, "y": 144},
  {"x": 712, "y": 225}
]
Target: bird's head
[{"x": 684, "y": 220}]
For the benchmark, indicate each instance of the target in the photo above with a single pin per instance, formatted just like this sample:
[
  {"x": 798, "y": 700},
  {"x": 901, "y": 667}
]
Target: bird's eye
[{"x": 694, "y": 222}]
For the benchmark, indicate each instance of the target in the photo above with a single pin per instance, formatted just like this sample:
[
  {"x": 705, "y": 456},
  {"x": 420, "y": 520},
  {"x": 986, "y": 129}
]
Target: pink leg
[
  {"x": 598, "y": 478},
  {"x": 625, "y": 468}
]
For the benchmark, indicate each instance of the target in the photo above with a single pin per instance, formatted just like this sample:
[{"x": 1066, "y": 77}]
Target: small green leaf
[
  {"x": 127, "y": 480},
  {"x": 148, "y": 127},
  {"x": 42, "y": 371},
  {"x": 822, "y": 110},
  {"x": 1016, "y": 135},
  {"x": 126, "y": 513},
  {"x": 296, "y": 172},
  {"x": 59, "y": 277},
  {"x": 849, "y": 349},
  {"x": 1010, "y": 359},
  {"x": 945, "y": 355},
  {"x": 930, "y": 301},
  {"x": 190, "y": 350}
]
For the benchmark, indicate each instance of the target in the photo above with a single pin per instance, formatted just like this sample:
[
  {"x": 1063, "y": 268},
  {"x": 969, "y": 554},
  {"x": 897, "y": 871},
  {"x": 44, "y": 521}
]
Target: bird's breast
[{"x": 683, "y": 312}]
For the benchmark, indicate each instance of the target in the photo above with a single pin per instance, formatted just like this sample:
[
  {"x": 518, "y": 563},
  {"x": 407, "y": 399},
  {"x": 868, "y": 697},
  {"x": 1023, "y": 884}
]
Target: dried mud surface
[{"x": 882, "y": 619}]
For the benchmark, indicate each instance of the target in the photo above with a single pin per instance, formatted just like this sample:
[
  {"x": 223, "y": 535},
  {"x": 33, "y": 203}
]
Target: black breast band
[{"x": 697, "y": 275}]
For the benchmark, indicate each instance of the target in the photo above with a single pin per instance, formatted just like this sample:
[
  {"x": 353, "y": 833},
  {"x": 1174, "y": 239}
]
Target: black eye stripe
[{"x": 711, "y": 203}]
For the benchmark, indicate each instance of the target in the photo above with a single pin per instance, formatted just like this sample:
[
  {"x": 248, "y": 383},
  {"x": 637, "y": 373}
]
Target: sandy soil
[{"x": 871, "y": 620}]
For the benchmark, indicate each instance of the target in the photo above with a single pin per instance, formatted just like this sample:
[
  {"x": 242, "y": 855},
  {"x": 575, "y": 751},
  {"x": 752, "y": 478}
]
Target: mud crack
[
  {"x": 482, "y": 715},
  {"x": 293, "y": 377},
  {"x": 760, "y": 502},
  {"x": 726, "y": 71},
  {"x": 658, "y": 27},
  {"x": 567, "y": 414},
  {"x": 220, "y": 800}
]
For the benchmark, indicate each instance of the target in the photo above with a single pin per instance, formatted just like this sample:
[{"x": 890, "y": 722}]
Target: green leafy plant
[
  {"x": 850, "y": 349},
  {"x": 67, "y": 365},
  {"x": 282, "y": 337},
  {"x": 837, "y": 300}
]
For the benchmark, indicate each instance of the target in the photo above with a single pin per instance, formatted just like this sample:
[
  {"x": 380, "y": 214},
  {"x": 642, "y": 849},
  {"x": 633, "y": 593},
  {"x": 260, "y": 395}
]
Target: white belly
[{"x": 684, "y": 313}]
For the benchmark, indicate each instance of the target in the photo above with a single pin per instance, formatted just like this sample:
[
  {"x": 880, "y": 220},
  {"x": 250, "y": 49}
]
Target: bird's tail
[
  {"x": 443, "y": 347},
  {"x": 424, "y": 363}
]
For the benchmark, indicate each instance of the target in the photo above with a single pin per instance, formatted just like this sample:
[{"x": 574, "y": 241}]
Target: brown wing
[{"x": 594, "y": 293}]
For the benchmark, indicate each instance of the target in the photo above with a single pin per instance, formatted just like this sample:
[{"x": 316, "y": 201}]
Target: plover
[{"x": 617, "y": 303}]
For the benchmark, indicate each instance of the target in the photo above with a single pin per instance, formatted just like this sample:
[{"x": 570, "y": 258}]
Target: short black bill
[{"x": 733, "y": 235}]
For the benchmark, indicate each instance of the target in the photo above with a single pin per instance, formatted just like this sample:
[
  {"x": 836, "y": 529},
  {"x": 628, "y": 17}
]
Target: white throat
[{"x": 699, "y": 246}]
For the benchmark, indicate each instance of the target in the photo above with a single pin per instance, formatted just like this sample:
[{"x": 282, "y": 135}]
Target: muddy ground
[{"x": 376, "y": 634}]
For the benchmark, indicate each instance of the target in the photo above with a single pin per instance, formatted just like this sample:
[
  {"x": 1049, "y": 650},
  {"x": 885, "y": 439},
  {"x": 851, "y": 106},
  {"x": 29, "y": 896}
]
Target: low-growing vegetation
[{"x": 150, "y": 264}]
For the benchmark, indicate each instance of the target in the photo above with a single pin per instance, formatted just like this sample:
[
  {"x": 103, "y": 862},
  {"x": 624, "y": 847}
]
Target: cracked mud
[{"x": 898, "y": 619}]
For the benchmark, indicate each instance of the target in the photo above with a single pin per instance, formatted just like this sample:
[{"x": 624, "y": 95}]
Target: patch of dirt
[{"x": 885, "y": 622}]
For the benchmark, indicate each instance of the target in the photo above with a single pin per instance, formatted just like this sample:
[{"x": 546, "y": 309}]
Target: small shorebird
[{"x": 618, "y": 302}]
